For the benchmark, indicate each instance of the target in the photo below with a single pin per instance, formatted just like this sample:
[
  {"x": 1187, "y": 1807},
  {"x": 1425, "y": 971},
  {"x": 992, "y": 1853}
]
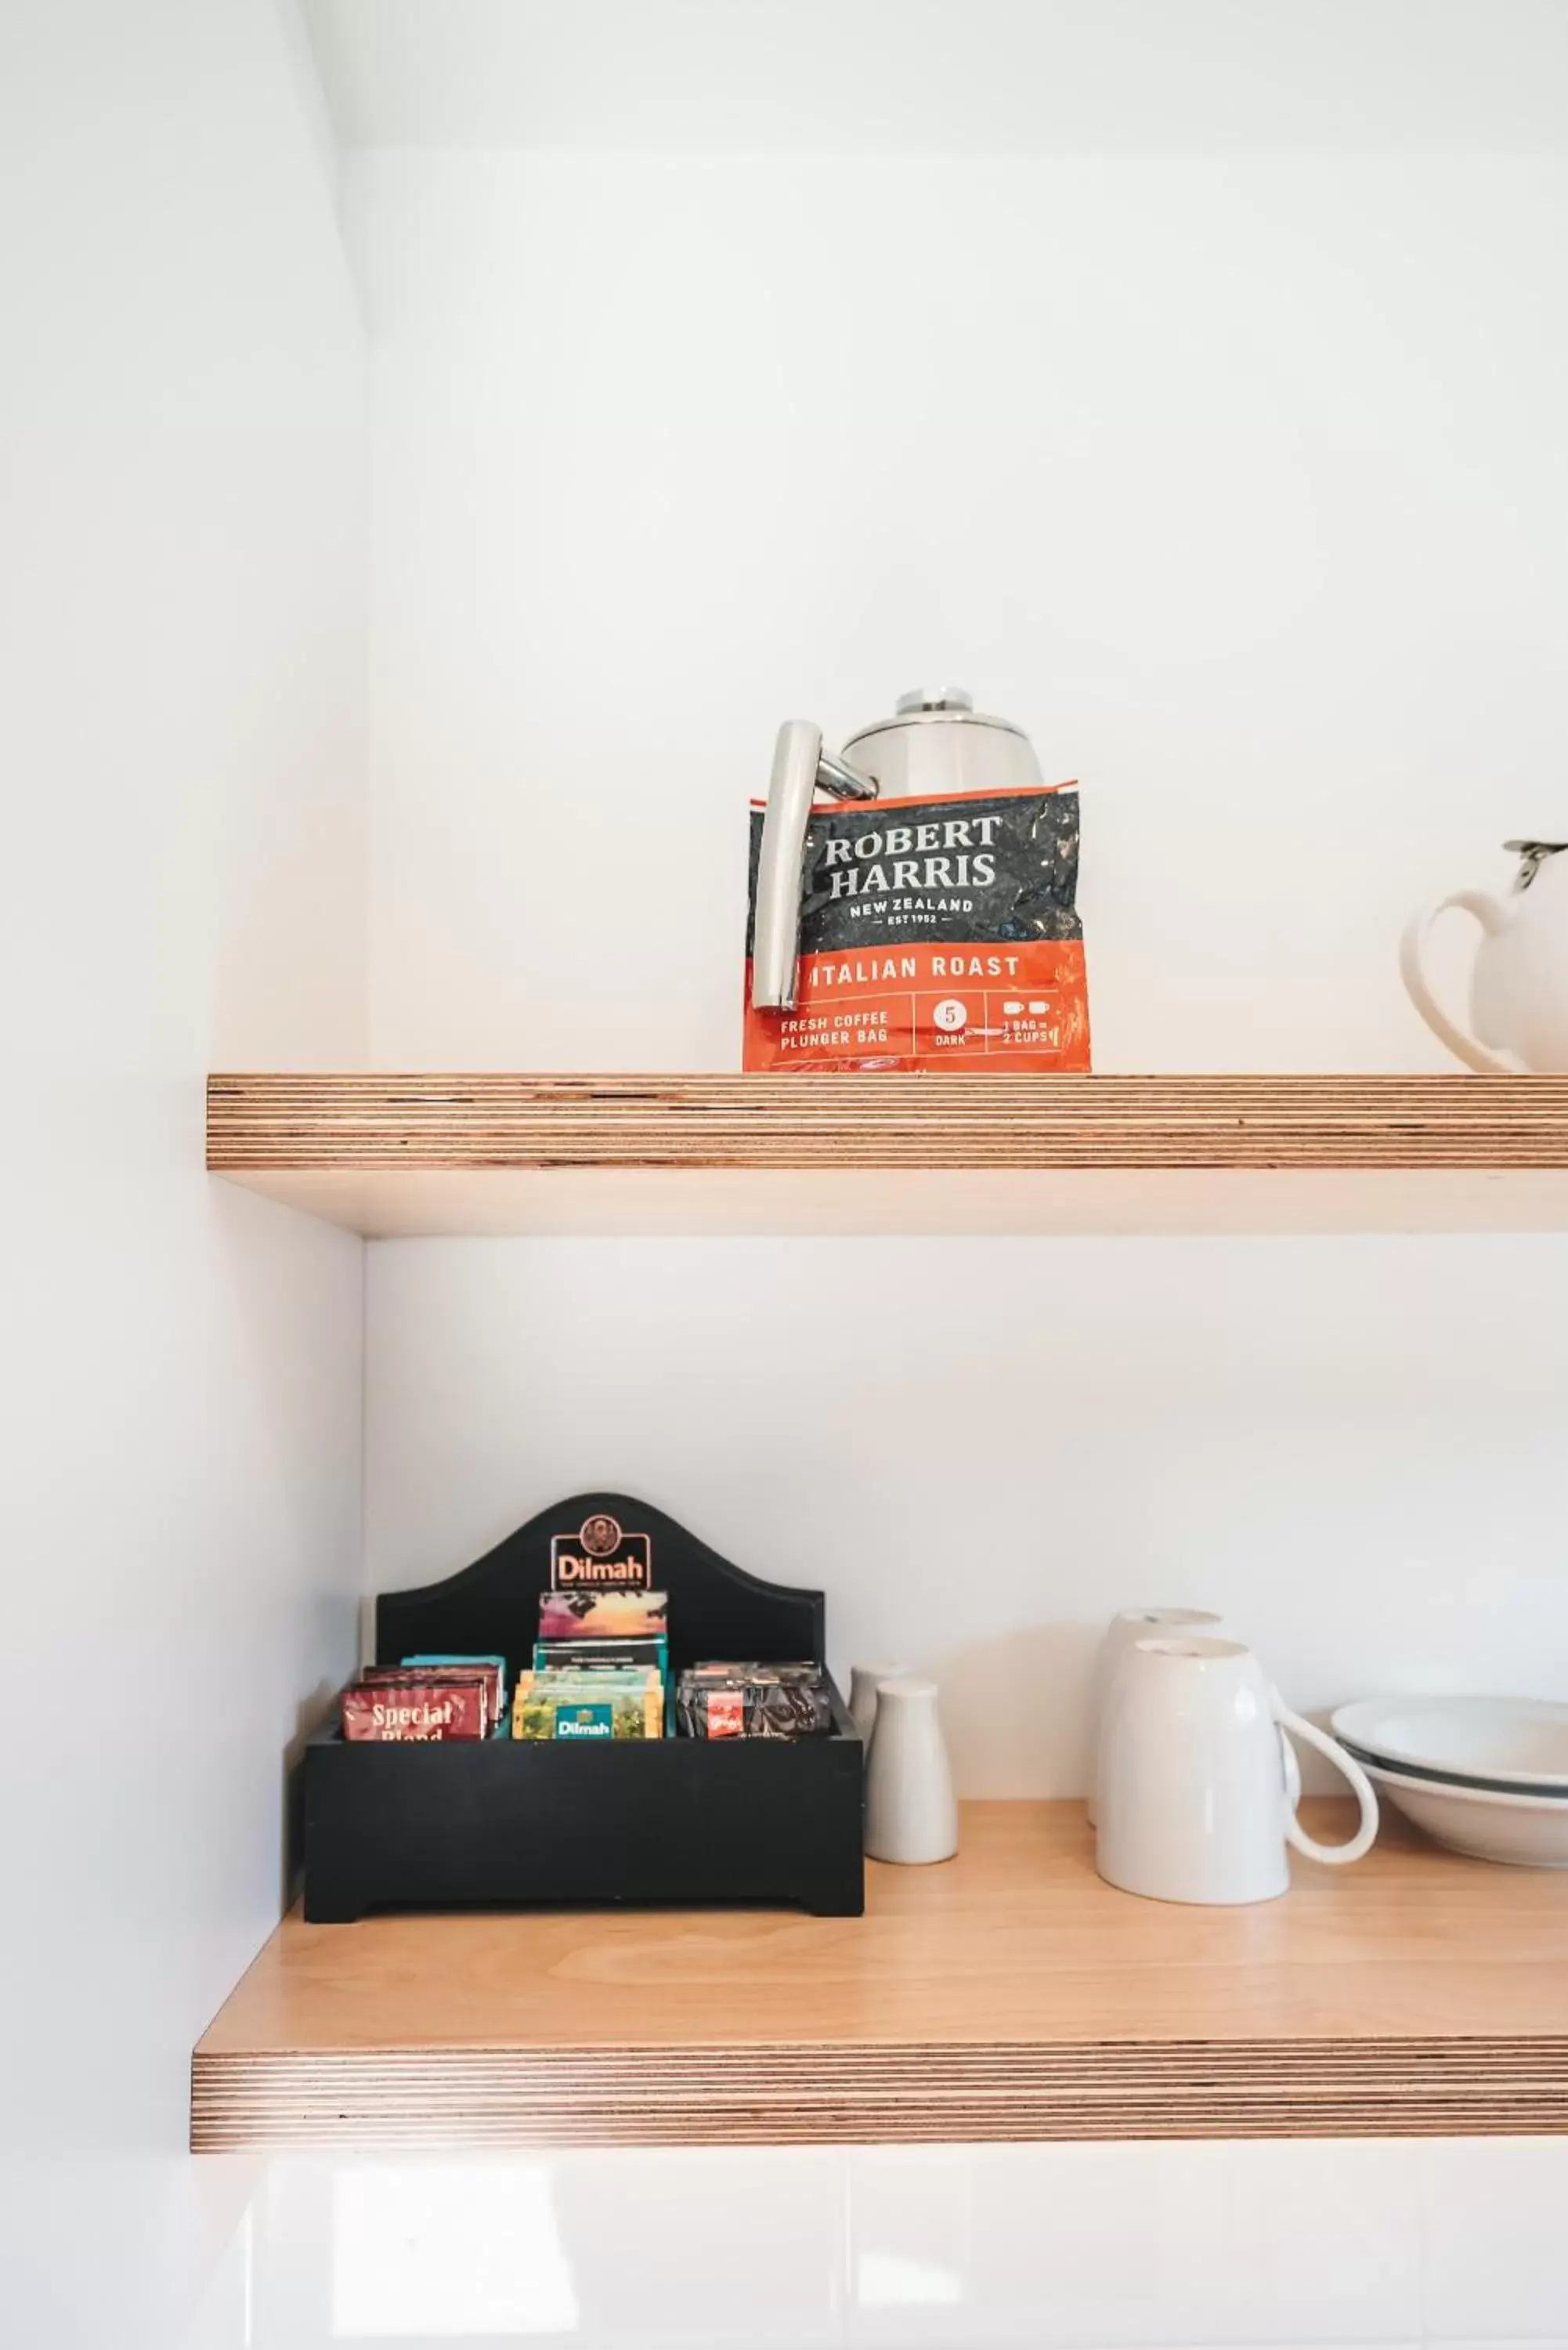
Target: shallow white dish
[
  {"x": 1520, "y": 1742},
  {"x": 1525, "y": 1831}
]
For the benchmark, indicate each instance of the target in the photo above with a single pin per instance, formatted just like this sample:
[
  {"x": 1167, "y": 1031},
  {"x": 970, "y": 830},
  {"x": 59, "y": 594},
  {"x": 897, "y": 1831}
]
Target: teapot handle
[
  {"x": 801, "y": 769},
  {"x": 1493, "y": 919},
  {"x": 1361, "y": 1787}
]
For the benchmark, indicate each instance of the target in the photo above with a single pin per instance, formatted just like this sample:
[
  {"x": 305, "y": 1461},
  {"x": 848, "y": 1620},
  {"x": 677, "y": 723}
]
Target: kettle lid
[{"x": 927, "y": 703}]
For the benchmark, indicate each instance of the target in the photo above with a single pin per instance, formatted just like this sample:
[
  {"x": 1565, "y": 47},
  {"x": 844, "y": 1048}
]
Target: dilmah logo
[
  {"x": 603, "y": 1556},
  {"x": 585, "y": 1722}
]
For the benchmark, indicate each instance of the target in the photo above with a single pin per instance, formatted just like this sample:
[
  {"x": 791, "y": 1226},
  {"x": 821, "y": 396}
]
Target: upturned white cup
[
  {"x": 864, "y": 1682},
  {"x": 1132, "y": 1624},
  {"x": 1195, "y": 1799},
  {"x": 911, "y": 1814}
]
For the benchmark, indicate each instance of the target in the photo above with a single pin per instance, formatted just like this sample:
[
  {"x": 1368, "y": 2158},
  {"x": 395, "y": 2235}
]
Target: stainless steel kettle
[{"x": 936, "y": 746}]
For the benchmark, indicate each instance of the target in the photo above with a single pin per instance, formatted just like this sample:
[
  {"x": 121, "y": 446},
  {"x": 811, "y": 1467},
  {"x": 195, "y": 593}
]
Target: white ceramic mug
[
  {"x": 1132, "y": 1624},
  {"x": 864, "y": 1683},
  {"x": 1196, "y": 1802},
  {"x": 911, "y": 1814}
]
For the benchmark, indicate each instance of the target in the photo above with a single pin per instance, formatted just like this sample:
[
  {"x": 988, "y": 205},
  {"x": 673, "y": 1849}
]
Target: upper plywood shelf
[
  {"x": 437, "y": 1153},
  {"x": 1008, "y": 1995}
]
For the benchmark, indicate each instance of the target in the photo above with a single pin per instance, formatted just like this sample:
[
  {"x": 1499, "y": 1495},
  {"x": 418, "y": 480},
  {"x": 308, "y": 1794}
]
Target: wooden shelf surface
[
  {"x": 430, "y": 1153},
  {"x": 1009, "y": 1995}
]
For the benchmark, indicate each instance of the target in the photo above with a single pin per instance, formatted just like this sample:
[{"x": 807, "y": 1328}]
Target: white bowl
[
  {"x": 1515, "y": 1742},
  {"x": 1525, "y": 1831}
]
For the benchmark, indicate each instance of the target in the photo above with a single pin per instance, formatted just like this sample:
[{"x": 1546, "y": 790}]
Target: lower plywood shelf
[{"x": 1008, "y": 1995}]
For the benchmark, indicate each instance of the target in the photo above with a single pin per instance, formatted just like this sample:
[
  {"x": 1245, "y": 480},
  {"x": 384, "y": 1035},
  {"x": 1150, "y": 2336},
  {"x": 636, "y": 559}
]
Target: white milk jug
[{"x": 1519, "y": 990}]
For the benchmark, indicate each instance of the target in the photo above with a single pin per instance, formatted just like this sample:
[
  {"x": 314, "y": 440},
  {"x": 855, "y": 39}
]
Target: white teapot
[{"x": 1519, "y": 988}]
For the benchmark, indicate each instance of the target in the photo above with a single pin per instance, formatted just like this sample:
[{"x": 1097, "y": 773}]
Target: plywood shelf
[
  {"x": 417, "y": 1153},
  {"x": 1008, "y": 1995}
]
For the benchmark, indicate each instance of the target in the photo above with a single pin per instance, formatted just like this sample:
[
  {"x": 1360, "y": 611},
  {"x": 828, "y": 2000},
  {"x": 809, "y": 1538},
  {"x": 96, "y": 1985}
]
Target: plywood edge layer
[
  {"x": 376, "y": 1124},
  {"x": 853, "y": 2095}
]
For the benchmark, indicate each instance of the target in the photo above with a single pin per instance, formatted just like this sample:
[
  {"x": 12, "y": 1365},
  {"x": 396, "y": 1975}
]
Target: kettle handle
[
  {"x": 1361, "y": 1787},
  {"x": 1492, "y": 920},
  {"x": 801, "y": 767}
]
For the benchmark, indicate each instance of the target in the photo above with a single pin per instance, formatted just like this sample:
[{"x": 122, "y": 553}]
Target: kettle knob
[{"x": 933, "y": 697}]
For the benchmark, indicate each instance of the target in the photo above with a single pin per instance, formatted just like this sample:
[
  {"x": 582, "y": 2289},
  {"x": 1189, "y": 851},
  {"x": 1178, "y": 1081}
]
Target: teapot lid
[{"x": 1532, "y": 855}]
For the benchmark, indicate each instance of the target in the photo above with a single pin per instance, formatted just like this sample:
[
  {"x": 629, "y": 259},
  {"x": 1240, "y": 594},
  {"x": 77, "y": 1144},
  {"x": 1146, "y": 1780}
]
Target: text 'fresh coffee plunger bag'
[{"x": 929, "y": 920}]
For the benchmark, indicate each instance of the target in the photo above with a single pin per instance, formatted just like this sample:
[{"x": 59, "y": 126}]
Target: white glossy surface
[
  {"x": 1067, "y": 2248},
  {"x": 1196, "y": 1787},
  {"x": 182, "y": 620},
  {"x": 862, "y": 1687},
  {"x": 911, "y": 1812},
  {"x": 1521, "y": 1739},
  {"x": 1127, "y": 1627},
  {"x": 1518, "y": 983},
  {"x": 1526, "y": 1830}
]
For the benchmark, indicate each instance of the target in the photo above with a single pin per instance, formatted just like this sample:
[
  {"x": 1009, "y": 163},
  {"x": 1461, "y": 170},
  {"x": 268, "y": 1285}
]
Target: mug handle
[
  {"x": 1293, "y": 1772},
  {"x": 1492, "y": 920},
  {"x": 1334, "y": 1854}
]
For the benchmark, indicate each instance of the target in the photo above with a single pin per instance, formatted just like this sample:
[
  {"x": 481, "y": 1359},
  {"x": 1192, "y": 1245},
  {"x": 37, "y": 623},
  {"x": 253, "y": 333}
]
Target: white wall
[
  {"x": 830, "y": 77},
  {"x": 978, "y": 1448},
  {"x": 181, "y": 614},
  {"x": 1238, "y": 479}
]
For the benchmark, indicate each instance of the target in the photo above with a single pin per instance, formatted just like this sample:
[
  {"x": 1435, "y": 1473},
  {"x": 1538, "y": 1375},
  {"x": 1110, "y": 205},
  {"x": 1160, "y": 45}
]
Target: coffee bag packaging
[{"x": 928, "y": 920}]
